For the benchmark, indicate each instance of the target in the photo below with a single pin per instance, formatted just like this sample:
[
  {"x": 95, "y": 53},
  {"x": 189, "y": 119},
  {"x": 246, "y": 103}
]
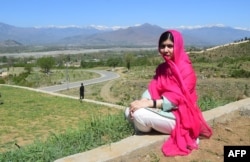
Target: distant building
[{"x": 3, "y": 73}]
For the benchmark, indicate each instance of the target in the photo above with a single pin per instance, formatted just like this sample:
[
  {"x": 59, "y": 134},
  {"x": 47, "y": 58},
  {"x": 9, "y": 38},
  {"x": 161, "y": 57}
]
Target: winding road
[{"x": 105, "y": 76}]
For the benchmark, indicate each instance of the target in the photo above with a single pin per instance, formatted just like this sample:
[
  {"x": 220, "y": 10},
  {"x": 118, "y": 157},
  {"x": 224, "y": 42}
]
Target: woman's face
[{"x": 167, "y": 49}]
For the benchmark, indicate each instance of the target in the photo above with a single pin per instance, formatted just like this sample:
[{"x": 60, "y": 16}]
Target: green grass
[{"x": 49, "y": 127}]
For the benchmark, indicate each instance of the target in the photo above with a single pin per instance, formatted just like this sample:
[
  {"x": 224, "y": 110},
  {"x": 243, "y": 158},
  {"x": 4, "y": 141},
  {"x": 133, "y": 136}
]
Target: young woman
[{"x": 169, "y": 105}]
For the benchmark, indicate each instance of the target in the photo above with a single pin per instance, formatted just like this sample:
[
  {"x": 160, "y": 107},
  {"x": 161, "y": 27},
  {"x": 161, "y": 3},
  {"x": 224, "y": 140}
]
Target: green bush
[{"x": 240, "y": 73}]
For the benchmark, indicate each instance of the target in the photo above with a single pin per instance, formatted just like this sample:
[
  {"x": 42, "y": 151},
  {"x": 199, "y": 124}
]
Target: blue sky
[{"x": 164, "y": 13}]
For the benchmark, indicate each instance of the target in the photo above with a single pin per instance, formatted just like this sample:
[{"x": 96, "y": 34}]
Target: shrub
[{"x": 240, "y": 73}]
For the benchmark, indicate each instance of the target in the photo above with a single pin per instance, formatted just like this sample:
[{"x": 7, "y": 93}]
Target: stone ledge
[
  {"x": 131, "y": 146},
  {"x": 136, "y": 145}
]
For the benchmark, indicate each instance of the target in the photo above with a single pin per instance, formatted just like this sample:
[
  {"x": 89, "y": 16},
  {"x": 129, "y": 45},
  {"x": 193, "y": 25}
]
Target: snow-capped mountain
[{"x": 138, "y": 35}]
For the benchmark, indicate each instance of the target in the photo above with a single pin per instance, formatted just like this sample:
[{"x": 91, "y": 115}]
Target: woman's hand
[{"x": 138, "y": 104}]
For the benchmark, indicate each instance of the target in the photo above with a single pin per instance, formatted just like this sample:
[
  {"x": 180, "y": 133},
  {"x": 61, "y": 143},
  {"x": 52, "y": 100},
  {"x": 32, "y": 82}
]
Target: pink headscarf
[{"x": 175, "y": 79}]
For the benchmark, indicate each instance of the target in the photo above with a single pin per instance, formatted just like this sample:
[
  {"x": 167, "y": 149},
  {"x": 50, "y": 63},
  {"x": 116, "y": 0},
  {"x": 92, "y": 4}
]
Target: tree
[
  {"x": 46, "y": 63},
  {"x": 28, "y": 68},
  {"x": 83, "y": 64},
  {"x": 128, "y": 59},
  {"x": 113, "y": 62}
]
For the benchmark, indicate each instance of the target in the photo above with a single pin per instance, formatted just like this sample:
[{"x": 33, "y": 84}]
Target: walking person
[
  {"x": 81, "y": 92},
  {"x": 169, "y": 105},
  {"x": 1, "y": 102}
]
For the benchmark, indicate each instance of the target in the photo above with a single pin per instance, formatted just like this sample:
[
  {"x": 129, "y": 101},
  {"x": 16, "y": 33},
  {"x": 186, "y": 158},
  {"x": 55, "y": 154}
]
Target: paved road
[{"x": 105, "y": 76}]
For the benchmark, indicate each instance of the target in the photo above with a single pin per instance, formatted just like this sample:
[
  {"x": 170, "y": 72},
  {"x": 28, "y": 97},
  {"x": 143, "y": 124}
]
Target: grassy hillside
[
  {"x": 47, "y": 127},
  {"x": 224, "y": 61}
]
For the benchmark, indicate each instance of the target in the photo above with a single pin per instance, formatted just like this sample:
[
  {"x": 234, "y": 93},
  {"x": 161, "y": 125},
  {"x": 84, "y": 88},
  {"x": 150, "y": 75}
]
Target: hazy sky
[{"x": 164, "y": 13}]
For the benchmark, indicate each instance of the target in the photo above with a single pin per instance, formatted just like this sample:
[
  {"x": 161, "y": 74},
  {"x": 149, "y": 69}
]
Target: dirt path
[
  {"x": 106, "y": 93},
  {"x": 106, "y": 89}
]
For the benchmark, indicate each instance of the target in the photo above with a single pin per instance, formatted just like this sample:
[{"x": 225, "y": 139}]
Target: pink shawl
[{"x": 176, "y": 80}]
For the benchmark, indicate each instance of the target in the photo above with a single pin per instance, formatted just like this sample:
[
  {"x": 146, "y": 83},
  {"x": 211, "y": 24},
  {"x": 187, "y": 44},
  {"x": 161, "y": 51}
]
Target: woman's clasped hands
[{"x": 138, "y": 104}]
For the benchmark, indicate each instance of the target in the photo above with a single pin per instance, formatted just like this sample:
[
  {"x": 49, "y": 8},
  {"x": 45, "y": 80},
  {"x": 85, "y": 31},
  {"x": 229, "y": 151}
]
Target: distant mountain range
[{"x": 143, "y": 35}]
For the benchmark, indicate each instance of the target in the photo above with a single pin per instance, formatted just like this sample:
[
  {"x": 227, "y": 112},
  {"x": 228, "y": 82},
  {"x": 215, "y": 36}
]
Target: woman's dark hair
[{"x": 165, "y": 36}]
